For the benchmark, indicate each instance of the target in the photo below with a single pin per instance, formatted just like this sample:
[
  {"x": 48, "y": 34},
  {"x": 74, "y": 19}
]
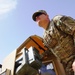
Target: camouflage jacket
[{"x": 59, "y": 37}]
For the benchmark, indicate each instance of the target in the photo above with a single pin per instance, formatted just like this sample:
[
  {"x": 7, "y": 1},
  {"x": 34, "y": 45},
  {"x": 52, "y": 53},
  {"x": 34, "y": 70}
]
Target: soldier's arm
[{"x": 65, "y": 24}]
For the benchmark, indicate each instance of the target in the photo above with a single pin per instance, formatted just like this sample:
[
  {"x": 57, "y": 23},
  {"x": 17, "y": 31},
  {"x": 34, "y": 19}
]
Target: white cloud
[{"x": 7, "y": 6}]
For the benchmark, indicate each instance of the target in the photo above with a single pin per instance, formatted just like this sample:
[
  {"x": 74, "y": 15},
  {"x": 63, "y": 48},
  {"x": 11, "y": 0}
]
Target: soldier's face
[{"x": 42, "y": 20}]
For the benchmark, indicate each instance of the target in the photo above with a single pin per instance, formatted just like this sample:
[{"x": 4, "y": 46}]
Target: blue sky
[{"x": 16, "y": 23}]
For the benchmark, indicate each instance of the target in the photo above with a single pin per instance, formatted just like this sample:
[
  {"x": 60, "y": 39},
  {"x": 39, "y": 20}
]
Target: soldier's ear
[{"x": 47, "y": 15}]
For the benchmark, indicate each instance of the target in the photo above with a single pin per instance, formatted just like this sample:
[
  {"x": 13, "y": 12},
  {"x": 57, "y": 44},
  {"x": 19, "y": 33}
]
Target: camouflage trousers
[{"x": 68, "y": 67}]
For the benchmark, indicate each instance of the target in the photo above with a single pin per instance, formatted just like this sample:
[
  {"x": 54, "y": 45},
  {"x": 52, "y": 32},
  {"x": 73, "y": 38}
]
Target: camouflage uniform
[{"x": 59, "y": 37}]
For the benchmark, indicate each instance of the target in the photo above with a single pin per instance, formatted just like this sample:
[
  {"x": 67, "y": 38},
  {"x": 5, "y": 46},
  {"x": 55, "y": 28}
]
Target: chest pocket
[{"x": 49, "y": 39}]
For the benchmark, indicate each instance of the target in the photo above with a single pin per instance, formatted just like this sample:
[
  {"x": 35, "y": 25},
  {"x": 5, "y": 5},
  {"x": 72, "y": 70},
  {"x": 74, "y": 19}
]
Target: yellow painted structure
[{"x": 34, "y": 41}]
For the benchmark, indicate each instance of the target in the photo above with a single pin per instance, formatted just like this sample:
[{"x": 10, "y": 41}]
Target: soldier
[{"x": 59, "y": 37}]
